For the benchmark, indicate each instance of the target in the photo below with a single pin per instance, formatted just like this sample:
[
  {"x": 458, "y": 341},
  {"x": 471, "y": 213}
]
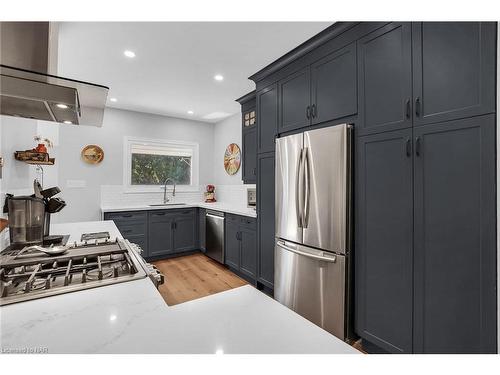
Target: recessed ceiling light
[
  {"x": 67, "y": 122},
  {"x": 190, "y": 113},
  {"x": 218, "y": 77},
  {"x": 114, "y": 100},
  {"x": 129, "y": 53},
  {"x": 62, "y": 106}
]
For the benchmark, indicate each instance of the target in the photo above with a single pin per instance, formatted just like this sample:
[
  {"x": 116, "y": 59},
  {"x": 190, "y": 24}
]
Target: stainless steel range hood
[{"x": 29, "y": 85}]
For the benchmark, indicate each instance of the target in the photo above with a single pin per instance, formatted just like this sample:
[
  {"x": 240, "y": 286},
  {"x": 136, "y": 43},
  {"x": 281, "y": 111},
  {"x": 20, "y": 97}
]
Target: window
[{"x": 148, "y": 163}]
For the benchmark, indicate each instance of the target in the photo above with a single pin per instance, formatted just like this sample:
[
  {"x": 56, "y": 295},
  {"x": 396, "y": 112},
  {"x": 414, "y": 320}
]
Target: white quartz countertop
[
  {"x": 132, "y": 317},
  {"x": 216, "y": 206}
]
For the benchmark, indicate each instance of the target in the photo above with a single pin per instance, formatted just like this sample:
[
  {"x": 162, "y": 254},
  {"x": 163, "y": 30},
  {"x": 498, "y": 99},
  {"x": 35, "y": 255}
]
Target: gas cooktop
[{"x": 89, "y": 264}]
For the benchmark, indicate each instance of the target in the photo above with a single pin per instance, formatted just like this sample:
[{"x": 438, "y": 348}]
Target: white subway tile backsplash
[{"x": 114, "y": 195}]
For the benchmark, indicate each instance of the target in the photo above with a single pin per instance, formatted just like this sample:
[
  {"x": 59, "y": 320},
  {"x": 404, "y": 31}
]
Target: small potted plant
[{"x": 43, "y": 143}]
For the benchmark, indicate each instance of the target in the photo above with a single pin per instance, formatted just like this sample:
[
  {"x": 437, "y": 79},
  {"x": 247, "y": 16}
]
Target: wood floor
[{"x": 194, "y": 276}]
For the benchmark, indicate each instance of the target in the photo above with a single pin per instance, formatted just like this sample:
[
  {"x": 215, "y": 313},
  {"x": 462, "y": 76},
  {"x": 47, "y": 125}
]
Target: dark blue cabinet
[
  {"x": 384, "y": 240},
  {"x": 265, "y": 225},
  {"x": 385, "y": 79},
  {"x": 185, "y": 231},
  {"x": 453, "y": 70},
  {"x": 132, "y": 226},
  {"x": 455, "y": 241},
  {"x": 267, "y": 118},
  {"x": 160, "y": 233},
  {"x": 241, "y": 245}
]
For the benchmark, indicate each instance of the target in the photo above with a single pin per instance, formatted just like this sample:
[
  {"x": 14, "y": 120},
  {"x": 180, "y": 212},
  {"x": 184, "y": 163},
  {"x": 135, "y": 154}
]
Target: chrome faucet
[{"x": 165, "y": 199}]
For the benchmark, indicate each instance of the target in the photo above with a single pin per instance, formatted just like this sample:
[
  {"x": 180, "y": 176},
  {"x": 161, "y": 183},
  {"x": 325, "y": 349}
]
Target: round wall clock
[
  {"x": 92, "y": 154},
  {"x": 232, "y": 159}
]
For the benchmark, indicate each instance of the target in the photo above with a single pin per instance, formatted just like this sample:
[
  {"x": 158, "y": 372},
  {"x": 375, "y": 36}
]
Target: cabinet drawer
[
  {"x": 249, "y": 222},
  {"x": 131, "y": 229},
  {"x": 232, "y": 218},
  {"x": 126, "y": 216}
]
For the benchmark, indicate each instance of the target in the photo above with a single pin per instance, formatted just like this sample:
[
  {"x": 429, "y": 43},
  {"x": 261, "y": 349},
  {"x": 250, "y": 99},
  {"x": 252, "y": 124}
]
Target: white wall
[
  {"x": 84, "y": 202},
  {"x": 226, "y": 132}
]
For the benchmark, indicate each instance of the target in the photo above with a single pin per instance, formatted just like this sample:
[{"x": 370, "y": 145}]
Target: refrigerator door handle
[
  {"x": 331, "y": 259},
  {"x": 307, "y": 188},
  {"x": 298, "y": 190}
]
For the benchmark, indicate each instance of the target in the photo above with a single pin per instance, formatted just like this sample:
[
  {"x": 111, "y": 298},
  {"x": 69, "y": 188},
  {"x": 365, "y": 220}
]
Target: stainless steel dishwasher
[{"x": 214, "y": 225}]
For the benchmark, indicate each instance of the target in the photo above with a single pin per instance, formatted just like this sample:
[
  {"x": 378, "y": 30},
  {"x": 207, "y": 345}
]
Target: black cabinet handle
[
  {"x": 308, "y": 112},
  {"x": 159, "y": 213},
  {"x": 417, "y": 106},
  {"x": 314, "y": 111},
  {"x": 408, "y": 147},
  {"x": 128, "y": 215},
  {"x": 408, "y": 108},
  {"x": 254, "y": 172},
  {"x": 417, "y": 146}
]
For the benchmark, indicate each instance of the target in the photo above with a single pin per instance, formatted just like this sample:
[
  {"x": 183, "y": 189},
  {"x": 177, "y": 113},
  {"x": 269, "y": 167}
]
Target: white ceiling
[{"x": 175, "y": 62}]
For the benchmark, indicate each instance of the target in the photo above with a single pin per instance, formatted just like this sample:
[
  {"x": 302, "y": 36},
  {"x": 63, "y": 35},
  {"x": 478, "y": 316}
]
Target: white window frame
[{"x": 127, "y": 164}]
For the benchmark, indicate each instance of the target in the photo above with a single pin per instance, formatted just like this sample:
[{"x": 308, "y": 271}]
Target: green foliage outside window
[{"x": 149, "y": 169}]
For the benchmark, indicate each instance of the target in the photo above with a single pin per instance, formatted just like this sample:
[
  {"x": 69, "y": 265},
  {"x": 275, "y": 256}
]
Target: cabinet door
[
  {"x": 267, "y": 118},
  {"x": 453, "y": 70},
  {"x": 334, "y": 85},
  {"x": 185, "y": 238},
  {"x": 202, "y": 229},
  {"x": 383, "y": 240},
  {"x": 265, "y": 219},
  {"x": 250, "y": 156},
  {"x": 455, "y": 225},
  {"x": 232, "y": 245},
  {"x": 384, "y": 79},
  {"x": 160, "y": 229},
  {"x": 248, "y": 255},
  {"x": 295, "y": 101}
]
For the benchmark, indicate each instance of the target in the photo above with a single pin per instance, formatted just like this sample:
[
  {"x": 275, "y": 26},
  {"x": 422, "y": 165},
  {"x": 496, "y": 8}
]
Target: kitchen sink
[{"x": 167, "y": 204}]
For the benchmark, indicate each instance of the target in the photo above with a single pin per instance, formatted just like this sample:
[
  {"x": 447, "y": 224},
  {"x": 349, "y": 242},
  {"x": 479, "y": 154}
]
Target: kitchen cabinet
[
  {"x": 171, "y": 232},
  {"x": 384, "y": 240},
  {"x": 241, "y": 245},
  {"x": 453, "y": 70},
  {"x": 265, "y": 224},
  {"x": 267, "y": 118},
  {"x": 202, "y": 229},
  {"x": 455, "y": 240},
  {"x": 184, "y": 231},
  {"x": 333, "y": 85},
  {"x": 385, "y": 79},
  {"x": 249, "y": 140},
  {"x": 295, "y": 108},
  {"x": 160, "y": 233},
  {"x": 248, "y": 253},
  {"x": 249, "y": 137},
  {"x": 320, "y": 92},
  {"x": 425, "y": 238},
  {"x": 232, "y": 245},
  {"x": 132, "y": 226}
]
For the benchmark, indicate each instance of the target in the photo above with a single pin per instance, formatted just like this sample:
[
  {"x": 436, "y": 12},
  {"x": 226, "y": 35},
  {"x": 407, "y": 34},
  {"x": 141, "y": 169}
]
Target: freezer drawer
[{"x": 312, "y": 283}]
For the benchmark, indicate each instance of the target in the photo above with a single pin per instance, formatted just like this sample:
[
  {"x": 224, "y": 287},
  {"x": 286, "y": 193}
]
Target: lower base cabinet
[
  {"x": 160, "y": 233},
  {"x": 241, "y": 245}
]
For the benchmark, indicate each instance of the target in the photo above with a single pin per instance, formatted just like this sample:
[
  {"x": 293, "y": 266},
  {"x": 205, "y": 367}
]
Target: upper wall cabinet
[
  {"x": 453, "y": 63},
  {"x": 323, "y": 91},
  {"x": 295, "y": 109},
  {"x": 267, "y": 118},
  {"x": 333, "y": 85},
  {"x": 249, "y": 137},
  {"x": 384, "y": 79}
]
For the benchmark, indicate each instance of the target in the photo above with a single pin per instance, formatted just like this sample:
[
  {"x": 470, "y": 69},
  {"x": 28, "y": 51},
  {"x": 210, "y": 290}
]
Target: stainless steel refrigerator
[{"x": 313, "y": 225}]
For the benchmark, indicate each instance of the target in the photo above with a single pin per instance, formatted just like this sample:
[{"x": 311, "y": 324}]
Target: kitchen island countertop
[{"x": 132, "y": 317}]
